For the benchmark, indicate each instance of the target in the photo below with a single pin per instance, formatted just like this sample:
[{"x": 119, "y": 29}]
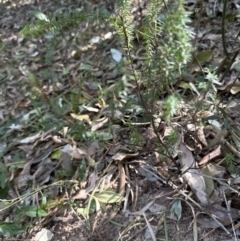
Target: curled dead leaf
[
  {"x": 201, "y": 136},
  {"x": 84, "y": 118}
]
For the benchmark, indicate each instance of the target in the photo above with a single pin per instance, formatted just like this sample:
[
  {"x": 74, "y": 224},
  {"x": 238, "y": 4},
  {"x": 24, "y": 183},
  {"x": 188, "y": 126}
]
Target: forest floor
[{"x": 69, "y": 162}]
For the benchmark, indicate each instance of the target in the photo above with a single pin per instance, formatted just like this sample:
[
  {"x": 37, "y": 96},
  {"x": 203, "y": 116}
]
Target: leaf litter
[{"x": 69, "y": 164}]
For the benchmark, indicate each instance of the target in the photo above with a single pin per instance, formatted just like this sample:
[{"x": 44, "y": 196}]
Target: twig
[
  {"x": 198, "y": 23},
  {"x": 235, "y": 152},
  {"x": 229, "y": 213},
  {"x": 223, "y": 28},
  {"x": 149, "y": 227}
]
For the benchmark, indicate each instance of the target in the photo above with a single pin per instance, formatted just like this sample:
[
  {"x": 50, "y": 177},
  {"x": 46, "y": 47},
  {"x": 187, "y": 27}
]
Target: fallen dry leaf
[
  {"x": 31, "y": 139},
  {"x": 201, "y": 136},
  {"x": 84, "y": 118},
  {"x": 66, "y": 162},
  {"x": 215, "y": 153},
  {"x": 83, "y": 194},
  {"x": 93, "y": 148},
  {"x": 192, "y": 175},
  {"x": 97, "y": 124},
  {"x": 43, "y": 235},
  {"x": 123, "y": 156}
]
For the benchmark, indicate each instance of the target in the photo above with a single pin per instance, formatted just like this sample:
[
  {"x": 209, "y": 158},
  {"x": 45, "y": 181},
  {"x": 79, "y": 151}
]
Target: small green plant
[
  {"x": 98, "y": 201},
  {"x": 229, "y": 160},
  {"x": 209, "y": 85},
  {"x": 171, "y": 106},
  {"x": 172, "y": 138},
  {"x": 135, "y": 136},
  {"x": 12, "y": 229},
  {"x": 166, "y": 40}
]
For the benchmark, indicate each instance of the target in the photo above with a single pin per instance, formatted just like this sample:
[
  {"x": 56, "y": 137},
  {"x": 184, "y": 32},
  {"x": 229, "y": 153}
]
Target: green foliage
[
  {"x": 108, "y": 196},
  {"x": 176, "y": 209},
  {"x": 168, "y": 47},
  {"x": 123, "y": 23},
  {"x": 4, "y": 193},
  {"x": 12, "y": 229},
  {"x": 172, "y": 138},
  {"x": 170, "y": 106},
  {"x": 62, "y": 22},
  {"x": 169, "y": 29},
  {"x": 229, "y": 160},
  {"x": 31, "y": 211},
  {"x": 212, "y": 79},
  {"x": 2, "y": 46},
  {"x": 165, "y": 38},
  {"x": 15, "y": 228},
  {"x": 91, "y": 208},
  {"x": 3, "y": 175},
  {"x": 136, "y": 137},
  {"x": 98, "y": 201},
  {"x": 171, "y": 142},
  {"x": 176, "y": 47}
]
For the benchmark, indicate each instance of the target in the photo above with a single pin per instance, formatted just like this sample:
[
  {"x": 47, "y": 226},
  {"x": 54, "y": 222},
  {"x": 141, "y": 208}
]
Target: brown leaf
[
  {"x": 205, "y": 55},
  {"x": 93, "y": 148},
  {"x": 206, "y": 159},
  {"x": 83, "y": 194},
  {"x": 66, "y": 162},
  {"x": 192, "y": 175},
  {"x": 114, "y": 148},
  {"x": 75, "y": 152},
  {"x": 201, "y": 136},
  {"x": 97, "y": 124},
  {"x": 123, "y": 156}
]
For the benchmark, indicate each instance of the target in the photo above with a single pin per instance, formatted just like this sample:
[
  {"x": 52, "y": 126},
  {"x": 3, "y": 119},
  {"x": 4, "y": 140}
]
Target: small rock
[{"x": 43, "y": 235}]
